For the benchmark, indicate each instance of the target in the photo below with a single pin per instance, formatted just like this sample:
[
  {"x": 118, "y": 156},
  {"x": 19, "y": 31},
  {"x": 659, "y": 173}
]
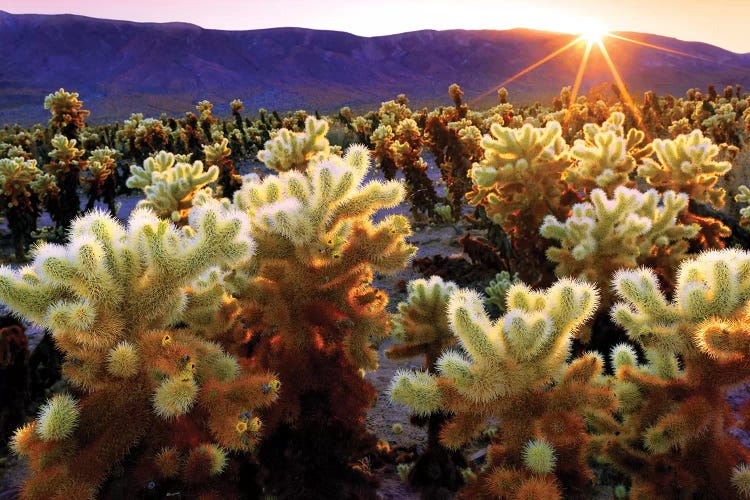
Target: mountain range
[{"x": 120, "y": 67}]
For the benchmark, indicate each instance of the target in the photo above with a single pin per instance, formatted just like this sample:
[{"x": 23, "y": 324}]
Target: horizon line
[{"x": 539, "y": 30}]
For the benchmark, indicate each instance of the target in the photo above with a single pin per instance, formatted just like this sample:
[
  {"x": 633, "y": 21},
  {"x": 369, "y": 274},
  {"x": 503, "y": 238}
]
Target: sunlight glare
[{"x": 593, "y": 33}]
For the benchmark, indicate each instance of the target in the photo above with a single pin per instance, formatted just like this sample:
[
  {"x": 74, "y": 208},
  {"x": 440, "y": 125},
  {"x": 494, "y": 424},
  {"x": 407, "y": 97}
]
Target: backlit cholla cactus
[
  {"x": 421, "y": 325},
  {"x": 16, "y": 175},
  {"x": 208, "y": 121},
  {"x": 389, "y": 116},
  {"x": 144, "y": 136},
  {"x": 744, "y": 197},
  {"x": 679, "y": 127},
  {"x": 498, "y": 288},
  {"x": 20, "y": 201},
  {"x": 99, "y": 179},
  {"x": 312, "y": 310},
  {"x": 382, "y": 140},
  {"x": 111, "y": 297},
  {"x": 293, "y": 150},
  {"x": 674, "y": 439},
  {"x": 688, "y": 165},
  {"x": 219, "y": 154},
  {"x": 520, "y": 177},
  {"x": 519, "y": 182},
  {"x": 722, "y": 125},
  {"x": 205, "y": 109},
  {"x": 628, "y": 230},
  {"x": 606, "y": 155},
  {"x": 171, "y": 186},
  {"x": 66, "y": 164},
  {"x": 421, "y": 328},
  {"x": 316, "y": 226},
  {"x": 406, "y": 150},
  {"x": 394, "y": 112},
  {"x": 236, "y": 106},
  {"x": 67, "y": 113},
  {"x": 454, "y": 141},
  {"x": 515, "y": 371}
]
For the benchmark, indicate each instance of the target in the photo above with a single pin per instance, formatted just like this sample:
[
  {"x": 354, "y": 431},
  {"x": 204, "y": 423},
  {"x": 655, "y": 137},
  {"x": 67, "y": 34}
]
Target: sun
[{"x": 593, "y": 33}]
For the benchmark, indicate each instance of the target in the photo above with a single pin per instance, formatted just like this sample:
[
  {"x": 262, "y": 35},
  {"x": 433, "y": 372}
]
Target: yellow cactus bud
[
  {"x": 741, "y": 480},
  {"x": 417, "y": 390},
  {"x": 123, "y": 361},
  {"x": 22, "y": 439},
  {"x": 58, "y": 418},
  {"x": 539, "y": 456},
  {"x": 174, "y": 397},
  {"x": 222, "y": 366},
  {"x": 623, "y": 355}
]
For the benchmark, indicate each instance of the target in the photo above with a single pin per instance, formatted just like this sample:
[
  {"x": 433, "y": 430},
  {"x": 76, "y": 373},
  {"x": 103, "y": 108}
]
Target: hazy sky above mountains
[{"x": 723, "y": 23}]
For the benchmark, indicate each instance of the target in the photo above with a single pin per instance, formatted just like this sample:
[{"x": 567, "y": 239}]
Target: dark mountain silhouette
[{"x": 120, "y": 67}]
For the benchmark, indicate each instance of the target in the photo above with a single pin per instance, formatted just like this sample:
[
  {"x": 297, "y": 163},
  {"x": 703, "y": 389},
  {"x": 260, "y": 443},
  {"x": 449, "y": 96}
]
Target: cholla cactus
[
  {"x": 205, "y": 109},
  {"x": 454, "y": 141},
  {"x": 606, "y": 156},
  {"x": 14, "y": 152},
  {"x": 236, "y": 106},
  {"x": 219, "y": 154},
  {"x": 16, "y": 175},
  {"x": 421, "y": 326},
  {"x": 502, "y": 95},
  {"x": 631, "y": 229},
  {"x": 382, "y": 140},
  {"x": 67, "y": 112},
  {"x": 519, "y": 182},
  {"x": 405, "y": 149},
  {"x": 497, "y": 291},
  {"x": 514, "y": 370},
  {"x": 394, "y": 112},
  {"x": 100, "y": 178},
  {"x": 170, "y": 187},
  {"x": 319, "y": 222},
  {"x": 744, "y": 197},
  {"x": 20, "y": 202},
  {"x": 66, "y": 165},
  {"x": 144, "y": 136},
  {"x": 721, "y": 125},
  {"x": 242, "y": 137},
  {"x": 674, "y": 439},
  {"x": 111, "y": 297},
  {"x": 679, "y": 127},
  {"x": 293, "y": 150},
  {"x": 312, "y": 308},
  {"x": 687, "y": 164}
]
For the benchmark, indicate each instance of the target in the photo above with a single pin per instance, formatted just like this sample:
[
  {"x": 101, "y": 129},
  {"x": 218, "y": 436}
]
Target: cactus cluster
[
  {"x": 515, "y": 370},
  {"x": 180, "y": 329},
  {"x": 674, "y": 436},
  {"x": 170, "y": 186},
  {"x": 113, "y": 298},
  {"x": 631, "y": 229}
]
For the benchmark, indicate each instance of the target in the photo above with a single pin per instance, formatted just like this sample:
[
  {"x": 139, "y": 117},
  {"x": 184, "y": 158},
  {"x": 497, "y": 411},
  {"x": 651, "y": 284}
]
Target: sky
[{"x": 725, "y": 23}]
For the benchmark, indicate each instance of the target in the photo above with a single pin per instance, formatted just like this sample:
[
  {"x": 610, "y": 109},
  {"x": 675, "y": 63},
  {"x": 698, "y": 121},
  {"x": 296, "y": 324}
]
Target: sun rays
[{"x": 592, "y": 36}]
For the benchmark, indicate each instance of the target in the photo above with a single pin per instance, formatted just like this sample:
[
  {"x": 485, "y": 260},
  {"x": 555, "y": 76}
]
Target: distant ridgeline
[{"x": 154, "y": 68}]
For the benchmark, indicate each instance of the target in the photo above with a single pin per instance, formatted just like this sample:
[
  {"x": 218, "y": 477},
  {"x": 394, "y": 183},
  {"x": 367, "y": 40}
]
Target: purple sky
[{"x": 725, "y": 23}]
